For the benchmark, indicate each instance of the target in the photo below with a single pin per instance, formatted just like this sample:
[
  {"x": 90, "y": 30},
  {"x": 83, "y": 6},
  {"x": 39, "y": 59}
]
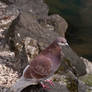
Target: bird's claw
[
  {"x": 44, "y": 85},
  {"x": 50, "y": 82}
]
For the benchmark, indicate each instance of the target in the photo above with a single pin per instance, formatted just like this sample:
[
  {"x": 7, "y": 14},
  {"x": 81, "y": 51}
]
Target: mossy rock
[{"x": 87, "y": 79}]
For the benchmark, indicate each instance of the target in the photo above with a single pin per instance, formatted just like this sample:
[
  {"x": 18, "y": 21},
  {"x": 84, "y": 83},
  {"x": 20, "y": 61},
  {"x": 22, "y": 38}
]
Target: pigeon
[{"x": 43, "y": 66}]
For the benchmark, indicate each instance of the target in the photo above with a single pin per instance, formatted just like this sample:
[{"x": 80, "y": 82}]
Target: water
[{"x": 78, "y": 14}]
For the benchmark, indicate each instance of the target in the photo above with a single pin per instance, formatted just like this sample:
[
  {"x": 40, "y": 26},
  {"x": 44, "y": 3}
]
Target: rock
[
  {"x": 88, "y": 65},
  {"x": 82, "y": 87},
  {"x": 63, "y": 83},
  {"x": 38, "y": 8},
  {"x": 34, "y": 30},
  {"x": 6, "y": 17},
  {"x": 16, "y": 35},
  {"x": 31, "y": 31},
  {"x": 87, "y": 79},
  {"x": 73, "y": 60},
  {"x": 8, "y": 1},
  {"x": 3, "y": 89},
  {"x": 22, "y": 28},
  {"x": 57, "y": 88},
  {"x": 59, "y": 23},
  {"x": 8, "y": 75},
  {"x": 32, "y": 48}
]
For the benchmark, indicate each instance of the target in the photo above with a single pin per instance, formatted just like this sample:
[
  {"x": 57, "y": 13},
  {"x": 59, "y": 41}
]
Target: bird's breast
[{"x": 55, "y": 60}]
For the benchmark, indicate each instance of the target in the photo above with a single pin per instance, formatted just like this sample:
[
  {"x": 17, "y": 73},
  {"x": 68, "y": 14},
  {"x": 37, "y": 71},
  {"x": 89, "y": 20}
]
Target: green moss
[
  {"x": 72, "y": 85},
  {"x": 87, "y": 79},
  {"x": 89, "y": 91}
]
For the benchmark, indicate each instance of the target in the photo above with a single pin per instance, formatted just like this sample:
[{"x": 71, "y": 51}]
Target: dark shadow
[
  {"x": 2, "y": 89},
  {"x": 34, "y": 88}
]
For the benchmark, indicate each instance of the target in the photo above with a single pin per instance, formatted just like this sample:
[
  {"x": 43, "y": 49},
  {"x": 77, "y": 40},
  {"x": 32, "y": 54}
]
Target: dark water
[{"x": 78, "y": 14}]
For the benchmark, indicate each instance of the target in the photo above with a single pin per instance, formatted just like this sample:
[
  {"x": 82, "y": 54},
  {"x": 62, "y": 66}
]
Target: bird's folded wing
[{"x": 41, "y": 67}]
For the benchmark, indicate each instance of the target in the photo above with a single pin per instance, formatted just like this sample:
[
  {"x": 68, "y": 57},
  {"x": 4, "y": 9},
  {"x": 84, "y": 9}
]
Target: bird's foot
[
  {"x": 50, "y": 82},
  {"x": 44, "y": 85}
]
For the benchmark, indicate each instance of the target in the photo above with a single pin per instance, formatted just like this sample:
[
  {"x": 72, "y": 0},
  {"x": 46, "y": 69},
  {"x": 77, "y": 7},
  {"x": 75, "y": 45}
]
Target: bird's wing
[{"x": 41, "y": 67}]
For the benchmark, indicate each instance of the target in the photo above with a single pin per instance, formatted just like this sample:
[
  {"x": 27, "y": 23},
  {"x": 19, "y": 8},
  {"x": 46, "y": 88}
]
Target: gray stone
[
  {"x": 74, "y": 61},
  {"x": 88, "y": 65},
  {"x": 30, "y": 25},
  {"x": 63, "y": 83}
]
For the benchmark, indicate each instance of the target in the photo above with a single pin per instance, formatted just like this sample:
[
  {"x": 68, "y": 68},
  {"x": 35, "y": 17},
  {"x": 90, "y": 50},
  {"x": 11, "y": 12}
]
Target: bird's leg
[
  {"x": 44, "y": 85},
  {"x": 50, "y": 82}
]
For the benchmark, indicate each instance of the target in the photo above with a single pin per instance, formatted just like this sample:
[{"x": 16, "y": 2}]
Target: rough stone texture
[
  {"x": 64, "y": 83},
  {"x": 58, "y": 88},
  {"x": 22, "y": 27},
  {"x": 8, "y": 75},
  {"x": 32, "y": 48},
  {"x": 88, "y": 65},
  {"x": 74, "y": 60},
  {"x": 8, "y": 1},
  {"x": 31, "y": 23},
  {"x": 26, "y": 28},
  {"x": 6, "y": 17},
  {"x": 59, "y": 23},
  {"x": 36, "y": 7}
]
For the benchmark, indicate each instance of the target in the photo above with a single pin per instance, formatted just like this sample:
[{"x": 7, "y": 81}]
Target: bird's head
[{"x": 61, "y": 41}]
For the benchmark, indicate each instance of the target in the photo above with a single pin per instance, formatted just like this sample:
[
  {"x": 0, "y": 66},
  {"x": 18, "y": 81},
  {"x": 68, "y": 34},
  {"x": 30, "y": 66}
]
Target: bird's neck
[{"x": 53, "y": 49}]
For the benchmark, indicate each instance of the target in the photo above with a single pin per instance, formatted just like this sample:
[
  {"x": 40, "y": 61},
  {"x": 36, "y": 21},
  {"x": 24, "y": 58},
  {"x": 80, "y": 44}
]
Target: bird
[{"x": 45, "y": 64}]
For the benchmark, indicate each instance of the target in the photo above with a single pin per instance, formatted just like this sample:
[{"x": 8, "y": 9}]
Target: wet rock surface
[{"x": 25, "y": 30}]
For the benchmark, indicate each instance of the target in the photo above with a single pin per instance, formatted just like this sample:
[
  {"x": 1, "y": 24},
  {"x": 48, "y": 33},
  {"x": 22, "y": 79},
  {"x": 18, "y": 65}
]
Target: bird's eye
[{"x": 62, "y": 42}]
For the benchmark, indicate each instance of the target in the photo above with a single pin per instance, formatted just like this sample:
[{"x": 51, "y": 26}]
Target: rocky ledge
[{"x": 25, "y": 30}]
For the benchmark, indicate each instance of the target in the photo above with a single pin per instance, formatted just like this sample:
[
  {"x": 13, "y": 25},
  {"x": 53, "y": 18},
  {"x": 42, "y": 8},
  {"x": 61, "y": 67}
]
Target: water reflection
[{"x": 78, "y": 13}]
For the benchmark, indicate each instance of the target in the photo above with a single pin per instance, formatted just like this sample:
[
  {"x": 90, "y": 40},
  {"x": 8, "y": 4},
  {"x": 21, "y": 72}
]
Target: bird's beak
[
  {"x": 63, "y": 44},
  {"x": 66, "y": 44}
]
